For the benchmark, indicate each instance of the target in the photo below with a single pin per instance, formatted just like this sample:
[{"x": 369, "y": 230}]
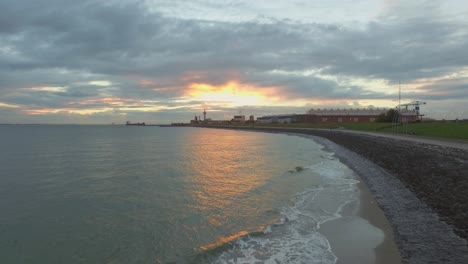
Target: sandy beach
[
  {"x": 362, "y": 234},
  {"x": 419, "y": 187}
]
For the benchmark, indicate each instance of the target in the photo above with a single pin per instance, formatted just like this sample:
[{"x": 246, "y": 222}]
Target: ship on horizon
[{"x": 135, "y": 124}]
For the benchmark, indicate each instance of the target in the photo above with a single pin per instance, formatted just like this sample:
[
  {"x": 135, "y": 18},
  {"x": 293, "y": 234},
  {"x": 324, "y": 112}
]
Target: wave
[{"x": 295, "y": 237}]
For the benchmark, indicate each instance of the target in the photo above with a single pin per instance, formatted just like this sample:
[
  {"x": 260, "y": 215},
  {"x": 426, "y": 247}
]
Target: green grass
[
  {"x": 449, "y": 130},
  {"x": 452, "y": 130},
  {"x": 299, "y": 125},
  {"x": 352, "y": 126}
]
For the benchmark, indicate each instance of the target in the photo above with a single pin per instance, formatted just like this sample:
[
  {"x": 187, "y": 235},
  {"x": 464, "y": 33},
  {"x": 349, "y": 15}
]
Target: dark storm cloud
[
  {"x": 80, "y": 91},
  {"x": 55, "y": 97},
  {"x": 401, "y": 50},
  {"x": 311, "y": 86},
  {"x": 36, "y": 99},
  {"x": 75, "y": 34},
  {"x": 62, "y": 43},
  {"x": 126, "y": 39}
]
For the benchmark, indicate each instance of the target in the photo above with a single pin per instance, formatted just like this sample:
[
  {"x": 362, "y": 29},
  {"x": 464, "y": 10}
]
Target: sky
[{"x": 163, "y": 61}]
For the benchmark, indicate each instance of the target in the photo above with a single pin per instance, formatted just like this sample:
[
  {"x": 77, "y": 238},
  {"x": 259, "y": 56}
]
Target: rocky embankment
[
  {"x": 437, "y": 175},
  {"x": 422, "y": 189}
]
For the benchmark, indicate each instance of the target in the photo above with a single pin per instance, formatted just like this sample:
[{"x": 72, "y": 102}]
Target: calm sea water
[{"x": 116, "y": 194}]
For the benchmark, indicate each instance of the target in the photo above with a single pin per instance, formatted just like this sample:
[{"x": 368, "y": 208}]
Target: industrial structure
[
  {"x": 358, "y": 115},
  {"x": 406, "y": 113},
  {"x": 411, "y": 111},
  {"x": 328, "y": 116},
  {"x": 238, "y": 119},
  {"x": 135, "y": 124},
  {"x": 279, "y": 119},
  {"x": 208, "y": 121}
]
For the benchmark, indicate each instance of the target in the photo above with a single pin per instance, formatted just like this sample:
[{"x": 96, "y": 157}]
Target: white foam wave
[
  {"x": 295, "y": 239},
  {"x": 284, "y": 245}
]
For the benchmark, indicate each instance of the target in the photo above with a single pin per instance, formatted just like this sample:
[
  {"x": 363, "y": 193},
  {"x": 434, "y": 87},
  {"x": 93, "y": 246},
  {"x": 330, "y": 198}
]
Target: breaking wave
[{"x": 295, "y": 237}]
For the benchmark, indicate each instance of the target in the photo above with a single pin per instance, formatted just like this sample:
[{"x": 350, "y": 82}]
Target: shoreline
[
  {"x": 419, "y": 233},
  {"x": 419, "y": 187},
  {"x": 365, "y": 222},
  {"x": 368, "y": 211},
  {"x": 387, "y": 251}
]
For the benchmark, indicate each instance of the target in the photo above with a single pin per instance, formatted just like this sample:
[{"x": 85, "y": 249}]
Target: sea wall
[{"x": 422, "y": 189}]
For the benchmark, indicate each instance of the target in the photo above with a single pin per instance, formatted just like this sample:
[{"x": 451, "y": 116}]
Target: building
[
  {"x": 208, "y": 121},
  {"x": 350, "y": 115},
  {"x": 238, "y": 119},
  {"x": 195, "y": 120},
  {"x": 409, "y": 116},
  {"x": 335, "y": 116},
  {"x": 277, "y": 119}
]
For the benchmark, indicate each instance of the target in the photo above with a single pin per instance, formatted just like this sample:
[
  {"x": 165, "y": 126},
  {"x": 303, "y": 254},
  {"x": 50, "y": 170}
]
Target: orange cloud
[
  {"x": 204, "y": 76},
  {"x": 46, "y": 111},
  {"x": 160, "y": 89},
  {"x": 232, "y": 93},
  {"x": 147, "y": 83},
  {"x": 47, "y": 88}
]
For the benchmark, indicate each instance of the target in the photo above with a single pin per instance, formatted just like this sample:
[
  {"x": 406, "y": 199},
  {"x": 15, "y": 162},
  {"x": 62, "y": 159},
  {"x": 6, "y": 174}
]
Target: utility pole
[
  {"x": 398, "y": 119},
  {"x": 399, "y": 100}
]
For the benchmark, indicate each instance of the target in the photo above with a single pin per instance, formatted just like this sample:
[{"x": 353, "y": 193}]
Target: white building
[
  {"x": 276, "y": 119},
  {"x": 238, "y": 119}
]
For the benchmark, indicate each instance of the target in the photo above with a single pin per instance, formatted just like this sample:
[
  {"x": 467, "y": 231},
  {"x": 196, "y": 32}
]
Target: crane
[{"x": 415, "y": 107}]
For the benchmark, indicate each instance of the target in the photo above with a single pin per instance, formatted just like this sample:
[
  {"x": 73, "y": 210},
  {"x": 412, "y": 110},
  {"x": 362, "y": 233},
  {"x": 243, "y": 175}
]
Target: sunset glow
[
  {"x": 5, "y": 105},
  {"x": 48, "y": 88},
  {"x": 231, "y": 94},
  {"x": 45, "y": 111}
]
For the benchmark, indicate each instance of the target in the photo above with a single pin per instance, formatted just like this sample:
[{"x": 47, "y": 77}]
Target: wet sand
[{"x": 363, "y": 234}]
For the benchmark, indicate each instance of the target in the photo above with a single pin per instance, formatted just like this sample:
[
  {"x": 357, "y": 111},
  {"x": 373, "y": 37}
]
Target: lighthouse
[{"x": 204, "y": 114}]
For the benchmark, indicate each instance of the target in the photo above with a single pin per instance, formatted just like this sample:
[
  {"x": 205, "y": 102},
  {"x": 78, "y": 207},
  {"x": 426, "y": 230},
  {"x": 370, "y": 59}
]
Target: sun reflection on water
[
  {"x": 237, "y": 182},
  {"x": 222, "y": 170},
  {"x": 226, "y": 176}
]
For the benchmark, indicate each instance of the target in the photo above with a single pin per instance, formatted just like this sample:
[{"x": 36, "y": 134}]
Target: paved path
[{"x": 458, "y": 144}]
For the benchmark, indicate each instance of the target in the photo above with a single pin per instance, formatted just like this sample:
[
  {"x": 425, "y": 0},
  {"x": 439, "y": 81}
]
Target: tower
[{"x": 204, "y": 114}]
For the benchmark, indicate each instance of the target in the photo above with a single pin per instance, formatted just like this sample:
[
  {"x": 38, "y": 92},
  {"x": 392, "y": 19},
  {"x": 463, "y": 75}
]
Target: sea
[{"x": 128, "y": 194}]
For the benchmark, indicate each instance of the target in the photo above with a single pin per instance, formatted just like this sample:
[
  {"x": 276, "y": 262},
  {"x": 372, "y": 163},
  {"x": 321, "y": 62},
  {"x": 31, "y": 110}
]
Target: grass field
[
  {"x": 352, "y": 126},
  {"x": 453, "y": 130},
  {"x": 450, "y": 130}
]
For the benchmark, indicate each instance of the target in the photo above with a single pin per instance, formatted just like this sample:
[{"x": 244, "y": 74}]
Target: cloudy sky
[{"x": 162, "y": 61}]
